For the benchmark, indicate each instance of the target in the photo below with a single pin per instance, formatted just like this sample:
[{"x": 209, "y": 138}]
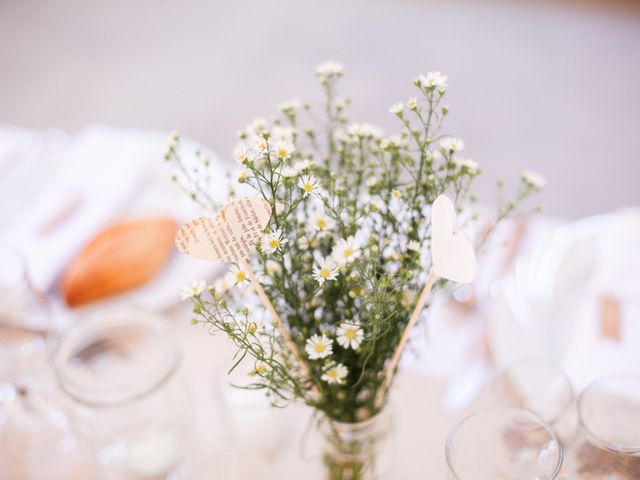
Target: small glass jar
[
  {"x": 128, "y": 402},
  {"x": 503, "y": 444},
  {"x": 608, "y": 442},
  {"x": 25, "y": 319},
  {"x": 358, "y": 451},
  {"x": 539, "y": 386}
]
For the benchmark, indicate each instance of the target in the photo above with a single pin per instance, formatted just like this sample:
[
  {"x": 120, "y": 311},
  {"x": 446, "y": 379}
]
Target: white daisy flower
[
  {"x": 396, "y": 194},
  {"x": 196, "y": 288},
  {"x": 414, "y": 246},
  {"x": 237, "y": 277},
  {"x": 308, "y": 242},
  {"x": 396, "y": 109},
  {"x": 289, "y": 107},
  {"x": 345, "y": 251},
  {"x": 243, "y": 154},
  {"x": 309, "y": 185},
  {"x": 289, "y": 172},
  {"x": 432, "y": 80},
  {"x": 243, "y": 175},
  {"x": 303, "y": 165},
  {"x": 452, "y": 144},
  {"x": 364, "y": 130},
  {"x": 256, "y": 126},
  {"x": 467, "y": 163},
  {"x": 262, "y": 145},
  {"x": 273, "y": 268},
  {"x": 321, "y": 222},
  {"x": 272, "y": 242},
  {"x": 349, "y": 335},
  {"x": 328, "y": 70},
  {"x": 412, "y": 103},
  {"x": 371, "y": 182},
  {"x": 222, "y": 284},
  {"x": 281, "y": 133},
  {"x": 335, "y": 374},
  {"x": 262, "y": 368},
  {"x": 283, "y": 149},
  {"x": 318, "y": 346},
  {"x": 534, "y": 179},
  {"x": 325, "y": 270}
]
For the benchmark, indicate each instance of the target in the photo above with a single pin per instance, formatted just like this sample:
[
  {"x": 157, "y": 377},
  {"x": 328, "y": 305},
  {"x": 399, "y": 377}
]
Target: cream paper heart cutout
[
  {"x": 452, "y": 252},
  {"x": 228, "y": 237}
]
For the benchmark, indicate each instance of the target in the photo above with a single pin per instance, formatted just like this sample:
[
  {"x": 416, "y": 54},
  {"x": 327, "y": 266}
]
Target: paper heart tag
[
  {"x": 451, "y": 251},
  {"x": 228, "y": 237}
]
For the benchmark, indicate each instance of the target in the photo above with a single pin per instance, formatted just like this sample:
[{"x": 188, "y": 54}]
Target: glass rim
[
  {"x": 448, "y": 444},
  {"x": 140, "y": 317},
  {"x": 593, "y": 437},
  {"x": 541, "y": 360}
]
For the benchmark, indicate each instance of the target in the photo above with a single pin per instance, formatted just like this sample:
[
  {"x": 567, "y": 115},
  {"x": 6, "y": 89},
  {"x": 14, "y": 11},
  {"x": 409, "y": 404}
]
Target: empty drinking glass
[
  {"x": 24, "y": 319},
  {"x": 120, "y": 371},
  {"x": 608, "y": 443},
  {"x": 539, "y": 386},
  {"x": 503, "y": 444}
]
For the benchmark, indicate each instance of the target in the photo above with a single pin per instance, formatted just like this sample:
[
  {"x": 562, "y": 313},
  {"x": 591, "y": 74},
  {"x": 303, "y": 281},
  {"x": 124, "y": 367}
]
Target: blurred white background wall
[{"x": 549, "y": 86}]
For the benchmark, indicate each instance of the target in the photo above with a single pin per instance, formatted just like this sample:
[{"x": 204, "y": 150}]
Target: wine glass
[{"x": 503, "y": 444}]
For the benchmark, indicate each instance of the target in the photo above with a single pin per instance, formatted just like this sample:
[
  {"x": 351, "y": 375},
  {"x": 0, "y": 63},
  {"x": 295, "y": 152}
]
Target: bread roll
[{"x": 120, "y": 258}]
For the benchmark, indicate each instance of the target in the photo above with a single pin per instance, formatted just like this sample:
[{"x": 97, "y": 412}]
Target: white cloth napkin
[
  {"x": 98, "y": 175},
  {"x": 618, "y": 268}
]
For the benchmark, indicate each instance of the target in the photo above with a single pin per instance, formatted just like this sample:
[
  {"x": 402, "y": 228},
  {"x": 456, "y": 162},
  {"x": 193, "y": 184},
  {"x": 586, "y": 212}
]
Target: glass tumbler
[
  {"x": 503, "y": 444},
  {"x": 539, "y": 386},
  {"x": 608, "y": 443},
  {"x": 24, "y": 319},
  {"x": 127, "y": 400}
]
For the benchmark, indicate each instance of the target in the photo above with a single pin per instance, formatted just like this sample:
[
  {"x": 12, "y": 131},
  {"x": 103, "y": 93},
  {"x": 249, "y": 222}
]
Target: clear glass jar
[
  {"x": 25, "y": 319},
  {"x": 608, "y": 442},
  {"x": 503, "y": 444},
  {"x": 541, "y": 387},
  {"x": 358, "y": 451},
  {"x": 127, "y": 400}
]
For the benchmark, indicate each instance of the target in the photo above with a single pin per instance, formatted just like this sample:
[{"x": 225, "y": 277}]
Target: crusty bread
[{"x": 119, "y": 258}]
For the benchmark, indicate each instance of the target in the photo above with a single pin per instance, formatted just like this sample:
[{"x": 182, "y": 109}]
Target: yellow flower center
[
  {"x": 253, "y": 327},
  {"x": 274, "y": 243},
  {"x": 347, "y": 252},
  {"x": 350, "y": 334},
  {"x": 240, "y": 276},
  {"x": 282, "y": 153},
  {"x": 333, "y": 373},
  {"x": 319, "y": 347},
  {"x": 261, "y": 369},
  {"x": 321, "y": 223},
  {"x": 308, "y": 188},
  {"x": 325, "y": 272}
]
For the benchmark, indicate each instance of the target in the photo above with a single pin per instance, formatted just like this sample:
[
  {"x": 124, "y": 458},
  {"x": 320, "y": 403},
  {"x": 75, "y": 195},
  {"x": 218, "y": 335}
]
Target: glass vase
[{"x": 358, "y": 451}]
